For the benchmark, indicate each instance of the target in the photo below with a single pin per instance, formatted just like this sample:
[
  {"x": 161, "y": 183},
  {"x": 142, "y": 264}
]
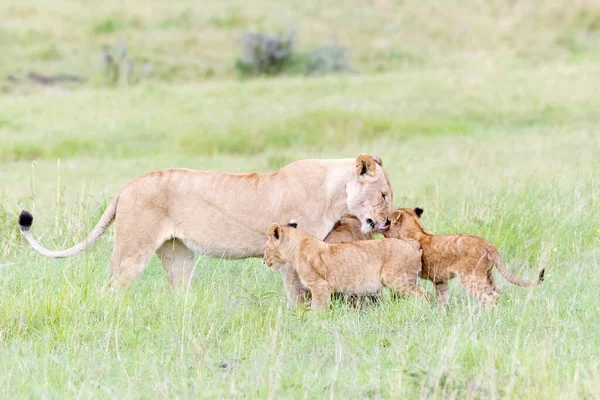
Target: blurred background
[
  {"x": 70, "y": 43},
  {"x": 210, "y": 77}
]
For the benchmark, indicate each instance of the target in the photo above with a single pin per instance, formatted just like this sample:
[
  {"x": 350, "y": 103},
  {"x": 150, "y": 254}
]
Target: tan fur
[
  {"x": 356, "y": 267},
  {"x": 177, "y": 212},
  {"x": 347, "y": 229},
  {"x": 471, "y": 258}
]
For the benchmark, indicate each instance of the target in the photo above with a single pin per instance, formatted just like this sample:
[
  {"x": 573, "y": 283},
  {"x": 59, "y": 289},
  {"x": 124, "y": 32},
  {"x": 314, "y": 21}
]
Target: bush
[
  {"x": 265, "y": 54},
  {"x": 119, "y": 68},
  {"x": 328, "y": 59}
]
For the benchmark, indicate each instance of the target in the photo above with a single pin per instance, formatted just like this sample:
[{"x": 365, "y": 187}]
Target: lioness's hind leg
[
  {"x": 135, "y": 244},
  {"x": 178, "y": 262},
  {"x": 127, "y": 264}
]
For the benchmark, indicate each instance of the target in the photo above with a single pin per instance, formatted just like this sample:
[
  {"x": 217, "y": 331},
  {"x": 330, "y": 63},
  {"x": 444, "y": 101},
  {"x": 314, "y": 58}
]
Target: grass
[
  {"x": 526, "y": 184},
  {"x": 495, "y": 133}
]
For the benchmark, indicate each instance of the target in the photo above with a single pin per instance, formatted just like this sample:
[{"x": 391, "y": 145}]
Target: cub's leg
[
  {"x": 442, "y": 293},
  {"x": 296, "y": 293},
  {"x": 490, "y": 279},
  {"x": 493, "y": 295},
  {"x": 321, "y": 294},
  {"x": 478, "y": 286},
  {"x": 178, "y": 262}
]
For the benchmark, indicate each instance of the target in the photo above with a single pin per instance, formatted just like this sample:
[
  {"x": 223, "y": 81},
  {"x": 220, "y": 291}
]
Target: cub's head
[
  {"x": 405, "y": 223},
  {"x": 369, "y": 194},
  {"x": 276, "y": 252}
]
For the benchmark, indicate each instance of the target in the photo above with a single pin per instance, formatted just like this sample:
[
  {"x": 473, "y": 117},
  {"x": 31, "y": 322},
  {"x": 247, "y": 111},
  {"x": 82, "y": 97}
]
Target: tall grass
[{"x": 532, "y": 192}]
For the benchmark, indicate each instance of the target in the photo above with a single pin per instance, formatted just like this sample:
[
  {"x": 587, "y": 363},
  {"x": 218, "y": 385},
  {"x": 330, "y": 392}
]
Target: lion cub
[
  {"x": 471, "y": 258},
  {"x": 355, "y": 267},
  {"x": 347, "y": 229}
]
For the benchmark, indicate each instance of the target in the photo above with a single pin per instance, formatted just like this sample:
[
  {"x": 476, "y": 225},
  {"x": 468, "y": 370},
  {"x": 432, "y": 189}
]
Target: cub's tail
[
  {"x": 505, "y": 272},
  {"x": 26, "y": 220}
]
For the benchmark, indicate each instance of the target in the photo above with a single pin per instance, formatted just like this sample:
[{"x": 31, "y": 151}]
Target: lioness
[
  {"x": 175, "y": 212},
  {"x": 471, "y": 258},
  {"x": 354, "y": 267}
]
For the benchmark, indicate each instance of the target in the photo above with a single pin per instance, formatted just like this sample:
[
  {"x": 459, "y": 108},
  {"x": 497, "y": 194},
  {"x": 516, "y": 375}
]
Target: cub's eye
[{"x": 383, "y": 196}]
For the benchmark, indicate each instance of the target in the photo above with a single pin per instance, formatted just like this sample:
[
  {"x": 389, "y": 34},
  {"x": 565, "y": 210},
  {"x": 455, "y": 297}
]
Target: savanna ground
[{"x": 486, "y": 113}]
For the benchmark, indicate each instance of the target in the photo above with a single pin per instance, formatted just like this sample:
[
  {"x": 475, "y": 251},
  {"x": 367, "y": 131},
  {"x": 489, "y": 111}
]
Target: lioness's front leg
[{"x": 296, "y": 293}]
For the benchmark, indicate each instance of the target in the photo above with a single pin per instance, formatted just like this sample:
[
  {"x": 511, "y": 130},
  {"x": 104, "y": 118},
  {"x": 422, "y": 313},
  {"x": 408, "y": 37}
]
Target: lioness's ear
[
  {"x": 377, "y": 159},
  {"x": 396, "y": 216},
  {"x": 274, "y": 232},
  {"x": 419, "y": 211},
  {"x": 365, "y": 165}
]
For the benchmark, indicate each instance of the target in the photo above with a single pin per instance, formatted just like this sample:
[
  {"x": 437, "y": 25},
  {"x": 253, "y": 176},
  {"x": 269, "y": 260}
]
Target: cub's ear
[
  {"x": 396, "y": 216},
  {"x": 292, "y": 223},
  {"x": 274, "y": 232},
  {"x": 377, "y": 159},
  {"x": 365, "y": 165},
  {"x": 419, "y": 211}
]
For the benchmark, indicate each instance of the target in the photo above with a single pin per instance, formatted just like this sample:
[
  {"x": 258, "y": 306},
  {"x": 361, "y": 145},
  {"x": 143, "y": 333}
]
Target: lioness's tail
[
  {"x": 26, "y": 219},
  {"x": 505, "y": 272}
]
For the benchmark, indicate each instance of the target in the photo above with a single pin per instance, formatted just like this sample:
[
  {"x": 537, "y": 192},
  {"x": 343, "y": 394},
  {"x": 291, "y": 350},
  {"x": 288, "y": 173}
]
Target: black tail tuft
[
  {"x": 541, "y": 277},
  {"x": 25, "y": 220}
]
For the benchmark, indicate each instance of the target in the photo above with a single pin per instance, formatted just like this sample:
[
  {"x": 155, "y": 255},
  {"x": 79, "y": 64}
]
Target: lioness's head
[
  {"x": 405, "y": 223},
  {"x": 369, "y": 194},
  {"x": 276, "y": 252}
]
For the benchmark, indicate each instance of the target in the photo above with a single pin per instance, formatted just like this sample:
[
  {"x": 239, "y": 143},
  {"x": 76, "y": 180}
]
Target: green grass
[
  {"x": 496, "y": 133},
  {"x": 524, "y": 177}
]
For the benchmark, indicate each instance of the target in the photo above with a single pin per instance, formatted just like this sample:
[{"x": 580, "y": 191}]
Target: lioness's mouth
[{"x": 379, "y": 227}]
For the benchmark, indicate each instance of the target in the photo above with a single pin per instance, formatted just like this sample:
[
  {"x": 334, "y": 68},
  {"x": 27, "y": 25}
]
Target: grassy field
[{"x": 496, "y": 133}]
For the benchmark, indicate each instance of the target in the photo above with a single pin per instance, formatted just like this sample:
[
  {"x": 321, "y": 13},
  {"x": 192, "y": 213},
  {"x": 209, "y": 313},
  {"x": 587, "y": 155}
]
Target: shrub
[
  {"x": 265, "y": 54},
  {"x": 120, "y": 68},
  {"x": 328, "y": 59}
]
